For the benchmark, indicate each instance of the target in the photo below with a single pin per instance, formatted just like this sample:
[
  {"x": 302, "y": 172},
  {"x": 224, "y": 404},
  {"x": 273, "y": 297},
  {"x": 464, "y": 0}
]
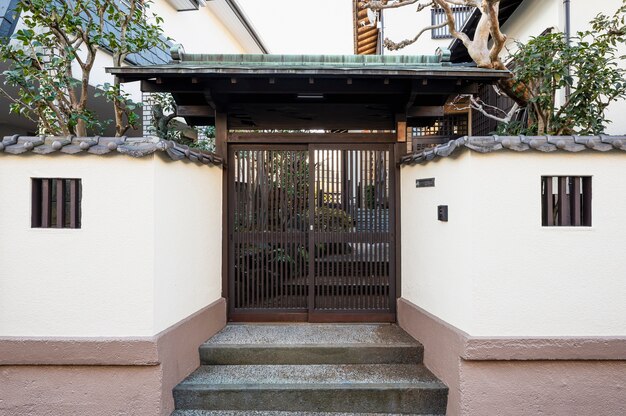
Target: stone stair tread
[
  {"x": 311, "y": 334},
  {"x": 279, "y": 413},
  {"x": 345, "y": 376}
]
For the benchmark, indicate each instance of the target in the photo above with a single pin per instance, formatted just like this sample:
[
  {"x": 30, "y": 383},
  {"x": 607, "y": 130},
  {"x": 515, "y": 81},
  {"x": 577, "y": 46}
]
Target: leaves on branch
[{"x": 56, "y": 35}]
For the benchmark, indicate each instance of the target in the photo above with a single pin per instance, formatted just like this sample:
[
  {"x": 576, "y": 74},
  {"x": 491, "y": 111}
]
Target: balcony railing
[{"x": 438, "y": 16}]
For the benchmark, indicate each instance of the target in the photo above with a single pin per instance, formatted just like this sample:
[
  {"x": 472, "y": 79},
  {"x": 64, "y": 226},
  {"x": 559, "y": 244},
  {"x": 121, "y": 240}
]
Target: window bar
[
  {"x": 586, "y": 184},
  {"x": 563, "y": 205},
  {"x": 74, "y": 204},
  {"x": 36, "y": 203},
  {"x": 575, "y": 200},
  {"x": 46, "y": 201},
  {"x": 548, "y": 201},
  {"x": 60, "y": 203}
]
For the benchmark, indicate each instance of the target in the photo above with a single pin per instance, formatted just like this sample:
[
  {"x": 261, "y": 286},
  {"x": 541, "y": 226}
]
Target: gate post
[{"x": 221, "y": 148}]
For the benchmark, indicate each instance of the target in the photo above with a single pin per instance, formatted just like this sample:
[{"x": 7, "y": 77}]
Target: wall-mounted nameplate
[{"x": 425, "y": 183}]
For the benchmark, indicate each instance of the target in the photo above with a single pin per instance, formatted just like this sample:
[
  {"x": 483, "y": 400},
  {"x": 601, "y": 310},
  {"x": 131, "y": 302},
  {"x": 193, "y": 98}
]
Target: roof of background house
[
  {"x": 545, "y": 144},
  {"x": 135, "y": 147},
  {"x": 247, "y": 24}
]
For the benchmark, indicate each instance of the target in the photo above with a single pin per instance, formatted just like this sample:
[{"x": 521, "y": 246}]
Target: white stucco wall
[
  {"x": 493, "y": 270},
  {"x": 188, "y": 240},
  {"x": 127, "y": 271}
]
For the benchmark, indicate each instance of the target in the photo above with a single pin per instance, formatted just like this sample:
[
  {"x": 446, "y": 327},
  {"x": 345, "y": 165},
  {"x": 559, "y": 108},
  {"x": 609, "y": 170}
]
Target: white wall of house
[
  {"x": 199, "y": 31},
  {"x": 493, "y": 270},
  {"x": 404, "y": 23},
  {"x": 148, "y": 240}
]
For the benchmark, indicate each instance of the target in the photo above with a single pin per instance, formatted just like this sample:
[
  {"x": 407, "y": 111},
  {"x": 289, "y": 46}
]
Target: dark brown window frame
[
  {"x": 570, "y": 205},
  {"x": 46, "y": 203}
]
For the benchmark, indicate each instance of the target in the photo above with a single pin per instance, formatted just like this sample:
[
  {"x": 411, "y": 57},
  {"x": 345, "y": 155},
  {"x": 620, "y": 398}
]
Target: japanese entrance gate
[
  {"x": 311, "y": 232},
  {"x": 344, "y": 121}
]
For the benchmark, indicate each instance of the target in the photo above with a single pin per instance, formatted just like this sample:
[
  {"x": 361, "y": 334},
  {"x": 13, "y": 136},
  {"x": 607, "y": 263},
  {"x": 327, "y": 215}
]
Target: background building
[{"x": 217, "y": 26}]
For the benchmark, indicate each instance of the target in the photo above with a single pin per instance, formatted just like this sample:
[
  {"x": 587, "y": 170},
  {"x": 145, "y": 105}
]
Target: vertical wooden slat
[
  {"x": 575, "y": 203},
  {"x": 74, "y": 204},
  {"x": 311, "y": 243},
  {"x": 547, "y": 203},
  {"x": 60, "y": 202},
  {"x": 46, "y": 203},
  {"x": 563, "y": 202},
  {"x": 367, "y": 251},
  {"x": 587, "y": 203},
  {"x": 326, "y": 266},
  {"x": 253, "y": 244},
  {"x": 264, "y": 219},
  {"x": 36, "y": 203},
  {"x": 234, "y": 218}
]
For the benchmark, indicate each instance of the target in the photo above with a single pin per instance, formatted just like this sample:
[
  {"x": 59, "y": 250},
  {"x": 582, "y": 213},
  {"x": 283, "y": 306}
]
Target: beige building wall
[
  {"x": 200, "y": 31},
  {"x": 493, "y": 270},
  {"x": 147, "y": 256}
]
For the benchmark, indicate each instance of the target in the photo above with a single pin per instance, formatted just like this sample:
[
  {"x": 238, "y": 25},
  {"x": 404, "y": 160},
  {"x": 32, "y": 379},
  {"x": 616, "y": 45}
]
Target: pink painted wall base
[
  {"x": 526, "y": 377},
  {"x": 66, "y": 383}
]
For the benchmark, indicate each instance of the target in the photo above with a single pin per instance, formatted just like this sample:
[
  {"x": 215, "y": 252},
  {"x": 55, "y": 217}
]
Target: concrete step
[
  {"x": 311, "y": 344},
  {"x": 276, "y": 413},
  {"x": 360, "y": 388}
]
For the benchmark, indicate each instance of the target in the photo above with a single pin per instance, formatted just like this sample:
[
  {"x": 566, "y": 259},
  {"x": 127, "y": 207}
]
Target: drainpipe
[
  {"x": 568, "y": 35},
  {"x": 381, "y": 32}
]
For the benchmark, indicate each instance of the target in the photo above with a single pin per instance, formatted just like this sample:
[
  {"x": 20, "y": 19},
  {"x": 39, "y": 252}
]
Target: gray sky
[{"x": 299, "y": 27}]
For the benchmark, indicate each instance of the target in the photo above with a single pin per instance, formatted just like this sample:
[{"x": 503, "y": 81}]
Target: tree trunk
[{"x": 81, "y": 129}]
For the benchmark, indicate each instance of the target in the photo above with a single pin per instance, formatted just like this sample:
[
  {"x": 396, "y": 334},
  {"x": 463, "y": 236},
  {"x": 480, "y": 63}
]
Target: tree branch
[
  {"x": 384, "y": 4},
  {"x": 21, "y": 103},
  {"x": 499, "y": 38},
  {"x": 482, "y": 107},
  {"x": 393, "y": 46}
]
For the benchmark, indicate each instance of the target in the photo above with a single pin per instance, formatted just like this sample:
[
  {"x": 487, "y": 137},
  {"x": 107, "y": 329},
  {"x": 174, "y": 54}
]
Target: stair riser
[
  {"x": 218, "y": 355},
  {"x": 366, "y": 400}
]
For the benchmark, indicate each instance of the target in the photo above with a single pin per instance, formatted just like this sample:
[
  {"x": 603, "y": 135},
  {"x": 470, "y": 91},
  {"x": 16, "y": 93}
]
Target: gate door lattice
[{"x": 311, "y": 232}]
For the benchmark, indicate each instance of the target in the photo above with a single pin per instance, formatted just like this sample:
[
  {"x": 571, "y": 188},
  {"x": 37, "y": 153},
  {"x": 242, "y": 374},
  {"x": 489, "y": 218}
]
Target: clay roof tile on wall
[
  {"x": 545, "y": 144},
  {"x": 135, "y": 147}
]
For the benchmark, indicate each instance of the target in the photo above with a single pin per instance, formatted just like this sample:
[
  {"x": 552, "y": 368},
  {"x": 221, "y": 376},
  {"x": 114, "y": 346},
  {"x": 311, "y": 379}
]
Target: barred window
[
  {"x": 566, "y": 201},
  {"x": 56, "y": 203},
  {"x": 438, "y": 16},
  {"x": 438, "y": 130}
]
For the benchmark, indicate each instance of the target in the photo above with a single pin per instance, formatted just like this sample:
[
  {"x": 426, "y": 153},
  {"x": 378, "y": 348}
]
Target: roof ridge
[
  {"x": 178, "y": 55},
  {"x": 132, "y": 146},
  {"x": 521, "y": 143}
]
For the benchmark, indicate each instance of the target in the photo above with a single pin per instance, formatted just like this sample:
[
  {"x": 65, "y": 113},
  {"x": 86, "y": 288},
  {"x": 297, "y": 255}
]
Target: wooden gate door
[{"x": 311, "y": 233}]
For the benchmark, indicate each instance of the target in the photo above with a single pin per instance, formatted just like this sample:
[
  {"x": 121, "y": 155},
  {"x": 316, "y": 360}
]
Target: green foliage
[
  {"x": 51, "y": 57},
  {"x": 114, "y": 94},
  {"x": 370, "y": 196},
  {"x": 588, "y": 66},
  {"x": 163, "y": 115},
  {"x": 332, "y": 219}
]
